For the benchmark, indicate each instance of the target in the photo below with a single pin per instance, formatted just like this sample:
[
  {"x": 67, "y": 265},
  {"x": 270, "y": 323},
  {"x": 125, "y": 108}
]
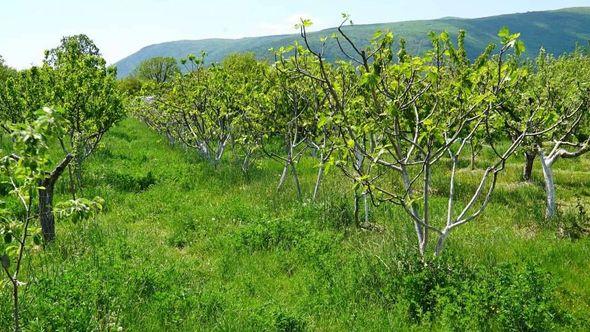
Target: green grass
[{"x": 184, "y": 246}]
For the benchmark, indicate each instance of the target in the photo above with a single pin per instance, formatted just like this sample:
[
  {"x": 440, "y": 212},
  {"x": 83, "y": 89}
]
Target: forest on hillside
[
  {"x": 389, "y": 190},
  {"x": 557, "y": 31}
]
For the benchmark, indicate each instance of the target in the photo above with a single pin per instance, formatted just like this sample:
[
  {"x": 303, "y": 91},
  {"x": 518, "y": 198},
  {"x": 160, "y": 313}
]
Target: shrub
[
  {"x": 574, "y": 225},
  {"x": 449, "y": 294}
]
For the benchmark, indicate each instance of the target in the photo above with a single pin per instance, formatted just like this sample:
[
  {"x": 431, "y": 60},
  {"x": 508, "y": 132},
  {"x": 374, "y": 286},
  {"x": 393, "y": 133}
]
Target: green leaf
[
  {"x": 504, "y": 33},
  {"x": 306, "y": 23},
  {"x": 369, "y": 79},
  {"x": 519, "y": 47}
]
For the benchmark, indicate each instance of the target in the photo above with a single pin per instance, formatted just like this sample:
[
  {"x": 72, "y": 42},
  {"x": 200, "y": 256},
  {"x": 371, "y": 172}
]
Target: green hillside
[{"x": 558, "y": 31}]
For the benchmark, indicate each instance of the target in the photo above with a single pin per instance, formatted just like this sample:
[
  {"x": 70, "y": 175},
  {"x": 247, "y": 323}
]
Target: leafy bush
[
  {"x": 453, "y": 295},
  {"x": 574, "y": 225}
]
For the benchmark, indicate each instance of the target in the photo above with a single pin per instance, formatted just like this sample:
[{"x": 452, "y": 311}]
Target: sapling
[
  {"x": 25, "y": 169},
  {"x": 23, "y": 174}
]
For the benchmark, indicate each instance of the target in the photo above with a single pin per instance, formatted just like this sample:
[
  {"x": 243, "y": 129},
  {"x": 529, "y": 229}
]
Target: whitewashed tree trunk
[
  {"x": 283, "y": 176},
  {"x": 318, "y": 181},
  {"x": 413, "y": 210},
  {"x": 440, "y": 244},
  {"x": 359, "y": 161},
  {"x": 356, "y": 207},
  {"x": 550, "y": 192},
  {"x": 296, "y": 180}
]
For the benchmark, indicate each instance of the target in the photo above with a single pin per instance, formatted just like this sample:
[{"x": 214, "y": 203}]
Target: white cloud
[{"x": 286, "y": 25}]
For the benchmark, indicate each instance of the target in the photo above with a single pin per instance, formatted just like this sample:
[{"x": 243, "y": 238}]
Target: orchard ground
[{"x": 183, "y": 245}]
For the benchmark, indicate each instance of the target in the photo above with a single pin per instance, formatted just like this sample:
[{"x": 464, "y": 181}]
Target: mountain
[{"x": 558, "y": 31}]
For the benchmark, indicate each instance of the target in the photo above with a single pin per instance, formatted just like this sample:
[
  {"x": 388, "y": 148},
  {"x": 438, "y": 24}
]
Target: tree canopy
[{"x": 157, "y": 69}]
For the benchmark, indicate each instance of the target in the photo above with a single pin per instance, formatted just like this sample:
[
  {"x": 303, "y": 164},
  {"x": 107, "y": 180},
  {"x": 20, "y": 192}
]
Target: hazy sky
[{"x": 121, "y": 27}]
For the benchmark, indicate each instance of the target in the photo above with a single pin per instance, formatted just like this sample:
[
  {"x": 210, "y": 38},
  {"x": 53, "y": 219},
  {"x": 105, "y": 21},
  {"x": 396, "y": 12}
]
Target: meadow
[{"x": 185, "y": 245}]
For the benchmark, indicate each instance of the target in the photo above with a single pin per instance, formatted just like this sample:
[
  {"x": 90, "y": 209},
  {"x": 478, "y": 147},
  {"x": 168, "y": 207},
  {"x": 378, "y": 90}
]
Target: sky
[{"x": 122, "y": 27}]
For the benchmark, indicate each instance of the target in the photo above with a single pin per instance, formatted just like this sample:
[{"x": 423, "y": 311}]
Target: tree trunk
[
  {"x": 426, "y": 208},
  {"x": 473, "y": 155},
  {"x": 15, "y": 310},
  {"x": 318, "y": 182},
  {"x": 288, "y": 162},
  {"x": 366, "y": 205},
  {"x": 283, "y": 176},
  {"x": 413, "y": 209},
  {"x": 46, "y": 217},
  {"x": 78, "y": 172},
  {"x": 529, "y": 160},
  {"x": 440, "y": 244},
  {"x": 296, "y": 179},
  {"x": 72, "y": 182},
  {"x": 220, "y": 151},
  {"x": 550, "y": 192},
  {"x": 356, "y": 208},
  {"x": 246, "y": 163}
]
